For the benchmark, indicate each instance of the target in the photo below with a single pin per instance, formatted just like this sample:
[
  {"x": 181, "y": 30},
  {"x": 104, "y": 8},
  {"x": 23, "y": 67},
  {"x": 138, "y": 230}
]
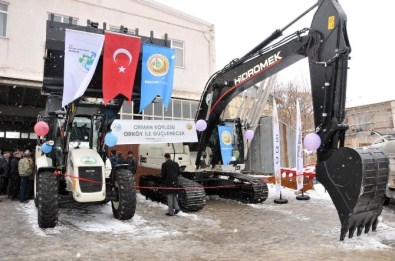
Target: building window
[
  {"x": 3, "y": 19},
  {"x": 177, "y": 110},
  {"x": 12, "y": 135},
  {"x": 178, "y": 47},
  {"x": 63, "y": 19},
  {"x": 365, "y": 123}
]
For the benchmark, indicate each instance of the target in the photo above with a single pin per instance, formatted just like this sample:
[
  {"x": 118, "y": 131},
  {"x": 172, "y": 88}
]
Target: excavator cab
[{"x": 236, "y": 142}]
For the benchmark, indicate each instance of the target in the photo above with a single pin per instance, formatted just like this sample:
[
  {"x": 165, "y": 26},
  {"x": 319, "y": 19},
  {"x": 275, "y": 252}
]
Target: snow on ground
[
  {"x": 372, "y": 240},
  {"x": 99, "y": 219},
  {"x": 319, "y": 192}
]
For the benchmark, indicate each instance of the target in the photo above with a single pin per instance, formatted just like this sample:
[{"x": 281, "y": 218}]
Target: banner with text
[
  {"x": 299, "y": 149},
  {"x": 276, "y": 148},
  {"x": 81, "y": 54},
  {"x": 153, "y": 131},
  {"x": 157, "y": 75}
]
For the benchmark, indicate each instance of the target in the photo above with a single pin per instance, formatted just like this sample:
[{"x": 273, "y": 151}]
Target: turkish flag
[{"x": 120, "y": 57}]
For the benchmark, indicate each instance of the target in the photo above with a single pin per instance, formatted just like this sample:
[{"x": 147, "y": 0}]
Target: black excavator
[{"x": 354, "y": 178}]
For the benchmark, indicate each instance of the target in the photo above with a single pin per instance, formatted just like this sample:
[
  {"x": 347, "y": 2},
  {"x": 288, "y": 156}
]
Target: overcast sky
[{"x": 241, "y": 25}]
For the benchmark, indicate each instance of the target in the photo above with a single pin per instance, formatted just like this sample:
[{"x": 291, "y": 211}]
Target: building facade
[
  {"x": 367, "y": 120},
  {"x": 22, "y": 49}
]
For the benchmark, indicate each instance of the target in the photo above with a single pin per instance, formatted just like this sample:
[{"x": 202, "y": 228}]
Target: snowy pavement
[{"x": 223, "y": 230}]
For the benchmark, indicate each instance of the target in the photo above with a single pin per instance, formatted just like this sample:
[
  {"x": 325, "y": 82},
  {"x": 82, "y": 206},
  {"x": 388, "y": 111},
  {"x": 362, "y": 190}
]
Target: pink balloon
[
  {"x": 41, "y": 128},
  {"x": 249, "y": 134},
  {"x": 312, "y": 141},
  {"x": 201, "y": 125}
]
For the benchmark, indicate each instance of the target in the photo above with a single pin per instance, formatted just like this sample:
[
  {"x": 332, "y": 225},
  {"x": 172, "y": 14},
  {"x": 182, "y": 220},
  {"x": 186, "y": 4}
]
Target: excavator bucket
[{"x": 355, "y": 180}]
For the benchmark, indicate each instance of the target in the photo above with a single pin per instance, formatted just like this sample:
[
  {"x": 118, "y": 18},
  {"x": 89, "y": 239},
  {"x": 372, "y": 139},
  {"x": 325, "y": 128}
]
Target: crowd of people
[
  {"x": 17, "y": 175},
  {"x": 17, "y": 172},
  {"x": 116, "y": 158}
]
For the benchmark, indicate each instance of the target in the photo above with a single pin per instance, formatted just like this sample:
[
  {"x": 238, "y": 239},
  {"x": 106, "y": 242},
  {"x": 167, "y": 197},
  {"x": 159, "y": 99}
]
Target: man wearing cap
[
  {"x": 169, "y": 173},
  {"x": 131, "y": 161},
  {"x": 25, "y": 168}
]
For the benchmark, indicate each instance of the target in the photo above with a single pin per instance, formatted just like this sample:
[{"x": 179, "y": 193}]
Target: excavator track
[
  {"x": 191, "y": 195},
  {"x": 235, "y": 186}
]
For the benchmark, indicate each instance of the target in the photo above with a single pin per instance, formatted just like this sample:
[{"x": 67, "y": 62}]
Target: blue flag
[
  {"x": 157, "y": 74},
  {"x": 225, "y": 141}
]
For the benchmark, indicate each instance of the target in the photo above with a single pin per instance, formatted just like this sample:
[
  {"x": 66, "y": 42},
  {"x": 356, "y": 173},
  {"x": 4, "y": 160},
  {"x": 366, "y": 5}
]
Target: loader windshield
[{"x": 81, "y": 131}]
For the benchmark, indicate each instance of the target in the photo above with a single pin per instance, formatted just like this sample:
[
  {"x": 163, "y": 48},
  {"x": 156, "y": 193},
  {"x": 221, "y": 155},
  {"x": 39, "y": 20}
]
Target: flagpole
[
  {"x": 303, "y": 196},
  {"x": 281, "y": 200}
]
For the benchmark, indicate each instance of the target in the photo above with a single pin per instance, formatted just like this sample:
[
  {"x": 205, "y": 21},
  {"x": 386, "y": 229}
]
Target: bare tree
[{"x": 286, "y": 95}]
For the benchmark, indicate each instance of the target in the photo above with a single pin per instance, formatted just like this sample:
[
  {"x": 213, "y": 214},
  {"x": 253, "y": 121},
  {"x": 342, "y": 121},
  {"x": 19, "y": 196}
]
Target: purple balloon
[
  {"x": 201, "y": 125},
  {"x": 249, "y": 134},
  {"x": 312, "y": 141}
]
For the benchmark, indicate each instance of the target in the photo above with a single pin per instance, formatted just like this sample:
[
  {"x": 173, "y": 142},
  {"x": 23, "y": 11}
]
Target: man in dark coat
[
  {"x": 113, "y": 158},
  {"x": 169, "y": 173},
  {"x": 4, "y": 166},
  {"x": 13, "y": 184},
  {"x": 131, "y": 161},
  {"x": 116, "y": 158}
]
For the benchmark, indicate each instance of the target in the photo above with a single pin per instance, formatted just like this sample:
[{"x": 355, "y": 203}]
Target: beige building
[
  {"x": 22, "y": 48},
  {"x": 366, "y": 119}
]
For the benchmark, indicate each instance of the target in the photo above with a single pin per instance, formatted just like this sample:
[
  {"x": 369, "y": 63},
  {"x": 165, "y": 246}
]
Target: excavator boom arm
[{"x": 242, "y": 75}]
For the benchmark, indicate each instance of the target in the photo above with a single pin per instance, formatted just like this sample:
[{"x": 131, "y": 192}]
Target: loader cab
[
  {"x": 85, "y": 126},
  {"x": 84, "y": 131},
  {"x": 81, "y": 131}
]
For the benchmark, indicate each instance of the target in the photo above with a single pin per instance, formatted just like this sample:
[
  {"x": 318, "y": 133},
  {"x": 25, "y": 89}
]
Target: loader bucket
[{"x": 355, "y": 180}]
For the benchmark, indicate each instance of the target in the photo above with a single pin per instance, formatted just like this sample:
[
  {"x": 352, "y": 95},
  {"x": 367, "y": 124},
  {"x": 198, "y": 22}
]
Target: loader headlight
[{"x": 75, "y": 144}]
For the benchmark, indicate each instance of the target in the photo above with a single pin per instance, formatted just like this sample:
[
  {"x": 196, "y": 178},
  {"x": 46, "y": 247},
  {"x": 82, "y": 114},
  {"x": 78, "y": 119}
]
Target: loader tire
[
  {"x": 124, "y": 207},
  {"x": 35, "y": 189},
  {"x": 47, "y": 200}
]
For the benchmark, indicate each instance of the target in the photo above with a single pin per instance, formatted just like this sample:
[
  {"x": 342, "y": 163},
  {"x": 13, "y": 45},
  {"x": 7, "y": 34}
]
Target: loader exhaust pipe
[{"x": 356, "y": 181}]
